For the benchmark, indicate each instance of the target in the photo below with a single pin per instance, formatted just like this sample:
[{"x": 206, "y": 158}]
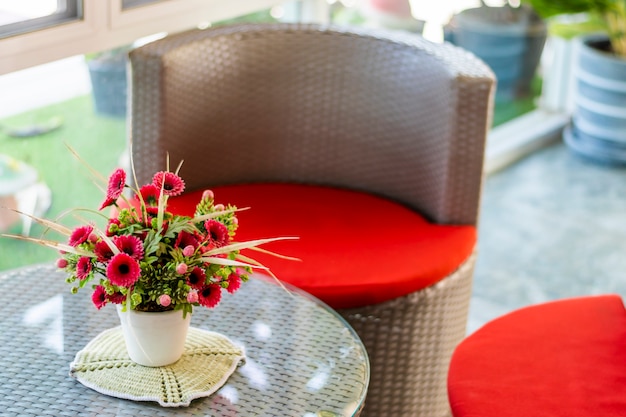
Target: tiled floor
[{"x": 552, "y": 226}]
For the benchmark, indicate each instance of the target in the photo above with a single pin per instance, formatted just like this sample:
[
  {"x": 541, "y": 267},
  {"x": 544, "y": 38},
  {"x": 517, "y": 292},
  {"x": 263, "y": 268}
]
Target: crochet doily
[{"x": 208, "y": 361}]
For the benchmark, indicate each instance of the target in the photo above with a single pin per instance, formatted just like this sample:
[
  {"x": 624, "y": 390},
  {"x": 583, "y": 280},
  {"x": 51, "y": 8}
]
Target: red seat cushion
[
  {"x": 356, "y": 249},
  {"x": 560, "y": 359}
]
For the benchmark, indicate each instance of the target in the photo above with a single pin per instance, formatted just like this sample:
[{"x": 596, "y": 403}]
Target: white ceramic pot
[{"x": 154, "y": 339}]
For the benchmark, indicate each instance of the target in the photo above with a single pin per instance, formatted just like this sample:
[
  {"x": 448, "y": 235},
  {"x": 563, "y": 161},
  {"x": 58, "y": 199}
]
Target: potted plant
[
  {"x": 598, "y": 128},
  {"x": 510, "y": 39},
  {"x": 390, "y": 14},
  {"x": 155, "y": 266},
  {"x": 384, "y": 14},
  {"x": 107, "y": 72}
]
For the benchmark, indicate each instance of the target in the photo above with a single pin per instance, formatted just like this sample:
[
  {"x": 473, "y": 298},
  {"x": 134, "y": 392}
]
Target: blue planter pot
[
  {"x": 109, "y": 85},
  {"x": 509, "y": 41},
  {"x": 598, "y": 129}
]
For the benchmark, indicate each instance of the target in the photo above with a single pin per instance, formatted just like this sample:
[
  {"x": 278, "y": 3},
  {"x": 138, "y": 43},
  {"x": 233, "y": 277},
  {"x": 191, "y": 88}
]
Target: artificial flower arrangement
[{"x": 148, "y": 259}]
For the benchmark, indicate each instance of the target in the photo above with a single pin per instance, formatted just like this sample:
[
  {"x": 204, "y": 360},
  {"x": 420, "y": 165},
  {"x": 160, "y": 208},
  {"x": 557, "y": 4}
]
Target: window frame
[
  {"x": 70, "y": 11},
  {"x": 105, "y": 25}
]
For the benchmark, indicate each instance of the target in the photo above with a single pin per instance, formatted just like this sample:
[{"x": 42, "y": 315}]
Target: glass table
[{"x": 302, "y": 359}]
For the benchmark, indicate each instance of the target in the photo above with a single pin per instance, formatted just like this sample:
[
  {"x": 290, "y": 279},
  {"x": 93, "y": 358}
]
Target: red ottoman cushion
[
  {"x": 356, "y": 249},
  {"x": 560, "y": 359}
]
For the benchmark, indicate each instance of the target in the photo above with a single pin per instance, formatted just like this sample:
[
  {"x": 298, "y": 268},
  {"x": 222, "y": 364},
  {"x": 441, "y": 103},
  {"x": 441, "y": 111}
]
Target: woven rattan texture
[
  {"x": 207, "y": 362},
  {"x": 384, "y": 112},
  {"x": 410, "y": 341},
  {"x": 301, "y": 359}
]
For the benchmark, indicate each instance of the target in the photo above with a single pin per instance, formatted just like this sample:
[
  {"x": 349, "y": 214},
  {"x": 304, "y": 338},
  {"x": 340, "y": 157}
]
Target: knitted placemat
[{"x": 207, "y": 362}]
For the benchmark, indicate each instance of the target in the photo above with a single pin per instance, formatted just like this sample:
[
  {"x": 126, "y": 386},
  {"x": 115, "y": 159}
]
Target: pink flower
[
  {"x": 171, "y": 183},
  {"x": 131, "y": 245},
  {"x": 181, "y": 268},
  {"x": 192, "y": 296},
  {"x": 234, "y": 283},
  {"x": 165, "y": 300},
  {"x": 117, "y": 182},
  {"x": 103, "y": 251},
  {"x": 217, "y": 233},
  {"x": 80, "y": 235},
  {"x": 150, "y": 195},
  {"x": 123, "y": 270},
  {"x": 197, "y": 278},
  {"x": 210, "y": 295},
  {"x": 208, "y": 194},
  {"x": 189, "y": 250},
  {"x": 99, "y": 297},
  {"x": 61, "y": 263},
  {"x": 83, "y": 267}
]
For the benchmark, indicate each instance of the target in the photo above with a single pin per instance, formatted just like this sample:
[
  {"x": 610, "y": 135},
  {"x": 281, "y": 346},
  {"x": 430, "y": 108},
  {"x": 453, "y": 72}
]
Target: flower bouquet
[{"x": 147, "y": 259}]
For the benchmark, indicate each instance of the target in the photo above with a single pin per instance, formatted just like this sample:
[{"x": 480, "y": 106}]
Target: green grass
[
  {"x": 507, "y": 111},
  {"x": 99, "y": 140}
]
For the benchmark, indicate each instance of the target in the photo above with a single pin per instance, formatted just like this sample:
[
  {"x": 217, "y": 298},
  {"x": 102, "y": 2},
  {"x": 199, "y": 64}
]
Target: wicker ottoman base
[{"x": 409, "y": 341}]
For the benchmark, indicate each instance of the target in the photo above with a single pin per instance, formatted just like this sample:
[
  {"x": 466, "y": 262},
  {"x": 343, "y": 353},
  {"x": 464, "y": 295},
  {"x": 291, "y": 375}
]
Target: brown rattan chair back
[{"x": 391, "y": 114}]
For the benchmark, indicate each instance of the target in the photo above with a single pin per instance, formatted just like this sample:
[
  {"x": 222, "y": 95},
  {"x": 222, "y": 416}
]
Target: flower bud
[
  {"x": 189, "y": 250},
  {"x": 93, "y": 238},
  {"x": 192, "y": 297},
  {"x": 219, "y": 207},
  {"x": 181, "y": 268},
  {"x": 61, "y": 263},
  {"x": 165, "y": 300},
  {"x": 208, "y": 194}
]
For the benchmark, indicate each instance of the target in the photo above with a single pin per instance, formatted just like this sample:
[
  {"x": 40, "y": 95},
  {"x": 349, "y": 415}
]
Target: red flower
[
  {"x": 171, "y": 183},
  {"x": 83, "y": 267},
  {"x": 130, "y": 245},
  {"x": 185, "y": 239},
  {"x": 99, "y": 297},
  {"x": 111, "y": 229},
  {"x": 234, "y": 282},
  {"x": 217, "y": 233},
  {"x": 210, "y": 295},
  {"x": 117, "y": 182},
  {"x": 116, "y": 298},
  {"x": 80, "y": 235},
  {"x": 123, "y": 270},
  {"x": 150, "y": 195},
  {"x": 103, "y": 251},
  {"x": 196, "y": 278}
]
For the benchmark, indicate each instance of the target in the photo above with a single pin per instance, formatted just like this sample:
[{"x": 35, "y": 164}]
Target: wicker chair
[{"x": 385, "y": 113}]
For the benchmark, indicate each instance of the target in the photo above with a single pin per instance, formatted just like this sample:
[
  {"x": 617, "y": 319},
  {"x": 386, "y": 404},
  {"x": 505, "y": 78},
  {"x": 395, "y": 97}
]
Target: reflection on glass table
[{"x": 302, "y": 359}]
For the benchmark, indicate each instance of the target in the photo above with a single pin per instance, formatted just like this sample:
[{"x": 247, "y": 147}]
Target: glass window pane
[
  {"x": 128, "y": 4},
  {"x": 18, "y": 17}
]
